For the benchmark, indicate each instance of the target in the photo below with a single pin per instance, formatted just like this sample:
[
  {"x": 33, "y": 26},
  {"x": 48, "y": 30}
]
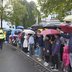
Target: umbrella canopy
[
  {"x": 15, "y": 30},
  {"x": 49, "y": 32},
  {"x": 36, "y": 26},
  {"x": 68, "y": 18},
  {"x": 26, "y": 31},
  {"x": 66, "y": 28},
  {"x": 20, "y": 27}
]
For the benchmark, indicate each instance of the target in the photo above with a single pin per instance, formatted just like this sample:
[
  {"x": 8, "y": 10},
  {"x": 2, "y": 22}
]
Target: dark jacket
[
  {"x": 56, "y": 47},
  {"x": 48, "y": 47},
  {"x": 39, "y": 40}
]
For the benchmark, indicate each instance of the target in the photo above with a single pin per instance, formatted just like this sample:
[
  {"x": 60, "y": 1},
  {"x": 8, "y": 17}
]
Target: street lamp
[{"x": 1, "y": 12}]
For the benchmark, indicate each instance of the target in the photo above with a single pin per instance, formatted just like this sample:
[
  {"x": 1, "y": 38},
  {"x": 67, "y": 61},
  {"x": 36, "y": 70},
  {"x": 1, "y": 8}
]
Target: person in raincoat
[
  {"x": 68, "y": 36},
  {"x": 2, "y": 38},
  {"x": 66, "y": 59}
]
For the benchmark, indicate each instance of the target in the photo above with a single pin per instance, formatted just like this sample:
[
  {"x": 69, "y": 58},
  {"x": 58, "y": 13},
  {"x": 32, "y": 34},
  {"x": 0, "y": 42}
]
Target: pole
[
  {"x": 1, "y": 13},
  {"x": 37, "y": 20},
  {"x": 1, "y": 20}
]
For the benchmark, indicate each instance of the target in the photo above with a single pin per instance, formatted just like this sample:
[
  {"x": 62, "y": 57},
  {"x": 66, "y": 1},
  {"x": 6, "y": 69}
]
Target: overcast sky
[{"x": 27, "y": 0}]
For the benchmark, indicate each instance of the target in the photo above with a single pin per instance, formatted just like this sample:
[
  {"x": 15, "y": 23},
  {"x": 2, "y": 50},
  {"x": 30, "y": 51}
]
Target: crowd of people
[{"x": 54, "y": 49}]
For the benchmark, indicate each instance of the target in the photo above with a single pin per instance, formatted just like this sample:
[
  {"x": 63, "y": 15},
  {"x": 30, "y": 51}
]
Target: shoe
[
  {"x": 39, "y": 59},
  {"x": 46, "y": 64},
  {"x": 52, "y": 67},
  {"x": 55, "y": 69}
]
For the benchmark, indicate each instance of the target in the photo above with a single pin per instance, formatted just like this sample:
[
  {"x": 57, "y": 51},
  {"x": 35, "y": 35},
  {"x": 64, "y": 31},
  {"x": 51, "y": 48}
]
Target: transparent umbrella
[
  {"x": 68, "y": 18},
  {"x": 26, "y": 31}
]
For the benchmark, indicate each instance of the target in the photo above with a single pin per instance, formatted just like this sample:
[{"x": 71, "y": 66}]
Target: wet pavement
[{"x": 12, "y": 60}]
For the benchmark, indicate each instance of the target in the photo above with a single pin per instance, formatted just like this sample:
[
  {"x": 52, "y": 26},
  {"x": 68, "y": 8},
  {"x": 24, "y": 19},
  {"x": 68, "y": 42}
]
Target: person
[
  {"x": 40, "y": 43},
  {"x": 31, "y": 44},
  {"x": 47, "y": 50},
  {"x": 66, "y": 59},
  {"x": 7, "y": 36},
  {"x": 25, "y": 44},
  {"x": 22, "y": 39},
  {"x": 61, "y": 49},
  {"x": 56, "y": 52},
  {"x": 2, "y": 38},
  {"x": 68, "y": 36}
]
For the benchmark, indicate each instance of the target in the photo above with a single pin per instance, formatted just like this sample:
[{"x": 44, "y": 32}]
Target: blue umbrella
[
  {"x": 15, "y": 30},
  {"x": 20, "y": 27}
]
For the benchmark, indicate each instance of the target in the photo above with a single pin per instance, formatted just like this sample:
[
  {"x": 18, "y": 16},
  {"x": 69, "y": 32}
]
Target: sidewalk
[{"x": 38, "y": 63}]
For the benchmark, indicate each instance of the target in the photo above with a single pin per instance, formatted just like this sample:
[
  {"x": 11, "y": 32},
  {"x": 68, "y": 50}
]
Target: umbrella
[
  {"x": 68, "y": 18},
  {"x": 49, "y": 32},
  {"x": 15, "y": 30},
  {"x": 20, "y": 27},
  {"x": 66, "y": 28},
  {"x": 36, "y": 26},
  {"x": 26, "y": 31}
]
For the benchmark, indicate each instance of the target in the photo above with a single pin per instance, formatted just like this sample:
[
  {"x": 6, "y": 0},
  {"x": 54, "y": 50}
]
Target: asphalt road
[{"x": 11, "y": 60}]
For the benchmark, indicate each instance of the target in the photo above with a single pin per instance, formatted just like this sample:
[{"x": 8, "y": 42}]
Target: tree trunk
[
  {"x": 1, "y": 13},
  {"x": 1, "y": 20}
]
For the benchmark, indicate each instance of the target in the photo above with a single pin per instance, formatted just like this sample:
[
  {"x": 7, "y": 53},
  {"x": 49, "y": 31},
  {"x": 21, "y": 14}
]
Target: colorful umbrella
[
  {"x": 66, "y": 28},
  {"x": 49, "y": 32}
]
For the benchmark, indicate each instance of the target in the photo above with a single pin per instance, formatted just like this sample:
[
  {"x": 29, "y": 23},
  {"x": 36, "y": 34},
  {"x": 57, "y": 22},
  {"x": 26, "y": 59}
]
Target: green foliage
[
  {"x": 32, "y": 13},
  {"x": 20, "y": 12},
  {"x": 60, "y": 7}
]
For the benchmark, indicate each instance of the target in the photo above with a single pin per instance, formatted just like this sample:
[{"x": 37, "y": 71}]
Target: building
[
  {"x": 7, "y": 25},
  {"x": 51, "y": 19}
]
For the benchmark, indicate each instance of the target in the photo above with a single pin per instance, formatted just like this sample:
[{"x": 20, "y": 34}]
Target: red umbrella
[
  {"x": 49, "y": 32},
  {"x": 66, "y": 28}
]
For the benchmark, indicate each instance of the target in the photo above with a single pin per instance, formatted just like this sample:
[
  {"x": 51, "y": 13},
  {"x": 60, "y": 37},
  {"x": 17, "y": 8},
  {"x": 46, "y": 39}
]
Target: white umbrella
[
  {"x": 68, "y": 18},
  {"x": 26, "y": 31}
]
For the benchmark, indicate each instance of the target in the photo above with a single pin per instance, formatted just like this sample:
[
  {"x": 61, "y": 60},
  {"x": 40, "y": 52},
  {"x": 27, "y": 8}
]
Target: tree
[
  {"x": 32, "y": 13},
  {"x": 13, "y": 11},
  {"x": 60, "y": 7},
  {"x": 20, "y": 12}
]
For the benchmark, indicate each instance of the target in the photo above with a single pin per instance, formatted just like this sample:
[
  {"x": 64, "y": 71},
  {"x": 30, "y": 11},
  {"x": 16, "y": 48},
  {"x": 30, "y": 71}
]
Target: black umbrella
[{"x": 36, "y": 27}]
